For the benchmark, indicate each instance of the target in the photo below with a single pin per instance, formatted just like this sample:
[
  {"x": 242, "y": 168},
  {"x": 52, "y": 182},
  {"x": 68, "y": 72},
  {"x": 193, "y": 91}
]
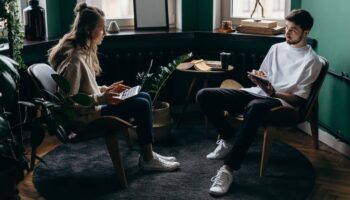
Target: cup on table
[{"x": 224, "y": 58}]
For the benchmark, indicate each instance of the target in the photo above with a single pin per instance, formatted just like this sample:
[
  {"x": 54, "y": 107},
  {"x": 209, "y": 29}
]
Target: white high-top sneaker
[
  {"x": 221, "y": 182},
  {"x": 221, "y": 151},
  {"x": 158, "y": 164},
  {"x": 166, "y": 158}
]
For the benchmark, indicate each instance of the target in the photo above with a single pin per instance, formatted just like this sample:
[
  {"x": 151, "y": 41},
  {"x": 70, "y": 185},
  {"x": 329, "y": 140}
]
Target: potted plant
[
  {"x": 55, "y": 112},
  {"x": 153, "y": 85},
  {"x": 12, "y": 158}
]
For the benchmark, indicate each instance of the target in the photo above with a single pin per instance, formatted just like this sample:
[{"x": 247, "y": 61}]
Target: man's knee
[
  {"x": 202, "y": 95},
  {"x": 256, "y": 107}
]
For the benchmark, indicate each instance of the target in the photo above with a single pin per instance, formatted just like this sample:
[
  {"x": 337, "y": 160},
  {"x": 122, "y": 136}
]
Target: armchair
[{"x": 106, "y": 126}]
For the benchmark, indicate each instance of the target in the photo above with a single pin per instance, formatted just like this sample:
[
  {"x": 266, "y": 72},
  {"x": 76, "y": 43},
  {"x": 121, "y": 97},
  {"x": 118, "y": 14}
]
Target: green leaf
[
  {"x": 53, "y": 96},
  {"x": 7, "y": 64},
  {"x": 8, "y": 89},
  {"x": 53, "y": 128},
  {"x": 62, "y": 82},
  {"x": 9, "y": 80},
  {"x": 69, "y": 113},
  {"x": 39, "y": 100},
  {"x": 82, "y": 99},
  {"x": 4, "y": 128},
  {"x": 59, "y": 95},
  {"x": 49, "y": 104},
  {"x": 26, "y": 103}
]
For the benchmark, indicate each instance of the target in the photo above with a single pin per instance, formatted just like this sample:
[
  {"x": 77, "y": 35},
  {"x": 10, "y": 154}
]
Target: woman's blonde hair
[{"x": 86, "y": 20}]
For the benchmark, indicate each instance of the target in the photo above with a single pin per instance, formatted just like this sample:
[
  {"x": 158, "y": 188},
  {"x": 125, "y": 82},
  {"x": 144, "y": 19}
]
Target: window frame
[
  {"x": 226, "y": 9},
  {"x": 128, "y": 23}
]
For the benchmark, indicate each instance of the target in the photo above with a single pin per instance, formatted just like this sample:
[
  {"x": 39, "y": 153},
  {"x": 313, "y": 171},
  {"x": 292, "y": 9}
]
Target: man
[{"x": 290, "y": 68}]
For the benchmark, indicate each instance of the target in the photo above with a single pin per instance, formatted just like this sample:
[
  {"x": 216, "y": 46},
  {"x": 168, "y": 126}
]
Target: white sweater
[
  {"x": 73, "y": 64},
  {"x": 290, "y": 70}
]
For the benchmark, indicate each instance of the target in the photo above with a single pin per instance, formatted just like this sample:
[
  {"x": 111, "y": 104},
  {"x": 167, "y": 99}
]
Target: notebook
[{"x": 136, "y": 89}]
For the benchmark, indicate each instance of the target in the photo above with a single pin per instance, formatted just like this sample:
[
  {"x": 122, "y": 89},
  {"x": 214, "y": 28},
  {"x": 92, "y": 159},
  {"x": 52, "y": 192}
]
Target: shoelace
[
  {"x": 219, "y": 179},
  {"x": 220, "y": 143}
]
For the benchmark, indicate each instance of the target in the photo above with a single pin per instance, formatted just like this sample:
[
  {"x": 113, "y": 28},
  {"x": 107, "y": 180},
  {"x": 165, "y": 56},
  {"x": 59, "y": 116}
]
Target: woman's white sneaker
[
  {"x": 221, "y": 151},
  {"x": 221, "y": 182},
  {"x": 166, "y": 158},
  {"x": 158, "y": 164}
]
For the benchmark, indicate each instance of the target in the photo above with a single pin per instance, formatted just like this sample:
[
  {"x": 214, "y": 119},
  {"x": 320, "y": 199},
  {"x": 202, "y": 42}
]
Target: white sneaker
[
  {"x": 158, "y": 164},
  {"x": 166, "y": 158},
  {"x": 221, "y": 150},
  {"x": 221, "y": 182}
]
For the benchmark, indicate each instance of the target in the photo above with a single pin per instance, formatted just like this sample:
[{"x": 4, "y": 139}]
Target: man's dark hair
[{"x": 302, "y": 18}]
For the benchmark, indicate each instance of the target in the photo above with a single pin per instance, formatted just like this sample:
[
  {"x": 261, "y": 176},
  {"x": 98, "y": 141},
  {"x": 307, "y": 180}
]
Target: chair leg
[
  {"x": 265, "y": 152},
  {"x": 314, "y": 126},
  {"x": 32, "y": 159},
  {"x": 128, "y": 139},
  {"x": 114, "y": 153}
]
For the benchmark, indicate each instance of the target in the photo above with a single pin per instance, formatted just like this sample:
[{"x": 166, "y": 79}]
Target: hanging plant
[{"x": 10, "y": 12}]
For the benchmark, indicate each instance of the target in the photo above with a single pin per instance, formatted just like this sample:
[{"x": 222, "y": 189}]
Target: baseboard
[{"x": 328, "y": 139}]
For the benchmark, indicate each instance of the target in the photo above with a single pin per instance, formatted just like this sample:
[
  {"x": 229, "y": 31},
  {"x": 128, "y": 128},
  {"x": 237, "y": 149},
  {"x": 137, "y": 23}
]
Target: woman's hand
[
  {"x": 112, "y": 98},
  {"x": 117, "y": 87}
]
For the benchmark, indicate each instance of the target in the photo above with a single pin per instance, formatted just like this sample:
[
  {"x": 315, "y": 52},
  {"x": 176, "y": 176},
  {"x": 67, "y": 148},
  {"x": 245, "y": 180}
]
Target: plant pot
[
  {"x": 8, "y": 184},
  {"x": 161, "y": 122}
]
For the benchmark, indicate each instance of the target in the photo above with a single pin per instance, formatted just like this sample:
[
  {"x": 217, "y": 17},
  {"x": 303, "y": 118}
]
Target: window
[
  {"x": 123, "y": 11},
  {"x": 237, "y": 10}
]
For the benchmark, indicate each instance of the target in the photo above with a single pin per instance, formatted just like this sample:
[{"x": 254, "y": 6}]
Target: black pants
[
  {"x": 214, "y": 101},
  {"x": 138, "y": 107}
]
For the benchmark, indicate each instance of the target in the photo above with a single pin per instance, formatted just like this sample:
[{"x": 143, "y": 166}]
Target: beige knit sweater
[{"x": 73, "y": 64}]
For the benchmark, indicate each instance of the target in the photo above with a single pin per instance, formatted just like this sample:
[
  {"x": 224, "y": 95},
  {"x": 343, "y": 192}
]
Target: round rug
[{"x": 85, "y": 171}]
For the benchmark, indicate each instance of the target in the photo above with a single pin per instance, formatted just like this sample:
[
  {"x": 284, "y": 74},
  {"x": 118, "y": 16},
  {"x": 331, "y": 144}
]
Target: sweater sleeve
[{"x": 72, "y": 73}]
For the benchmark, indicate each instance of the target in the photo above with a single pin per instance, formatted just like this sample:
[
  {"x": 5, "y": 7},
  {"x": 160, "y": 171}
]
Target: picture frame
[{"x": 151, "y": 15}]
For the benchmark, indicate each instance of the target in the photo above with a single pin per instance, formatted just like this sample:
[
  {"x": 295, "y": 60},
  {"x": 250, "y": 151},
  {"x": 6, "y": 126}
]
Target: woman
[{"x": 75, "y": 58}]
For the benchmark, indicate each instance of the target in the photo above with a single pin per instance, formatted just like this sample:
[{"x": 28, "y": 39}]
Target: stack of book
[{"x": 264, "y": 27}]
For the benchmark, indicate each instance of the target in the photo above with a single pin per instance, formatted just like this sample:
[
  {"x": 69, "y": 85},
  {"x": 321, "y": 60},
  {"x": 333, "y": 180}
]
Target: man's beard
[{"x": 292, "y": 42}]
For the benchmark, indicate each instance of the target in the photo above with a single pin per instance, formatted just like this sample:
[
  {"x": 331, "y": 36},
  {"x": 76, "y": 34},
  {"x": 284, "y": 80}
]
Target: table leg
[
  {"x": 205, "y": 85},
  {"x": 187, "y": 99}
]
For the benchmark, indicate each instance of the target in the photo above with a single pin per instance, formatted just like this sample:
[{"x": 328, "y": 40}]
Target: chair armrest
[
  {"x": 108, "y": 122},
  {"x": 282, "y": 116},
  {"x": 101, "y": 126},
  {"x": 230, "y": 84}
]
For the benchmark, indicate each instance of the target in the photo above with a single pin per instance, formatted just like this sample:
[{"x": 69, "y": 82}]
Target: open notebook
[{"x": 136, "y": 89}]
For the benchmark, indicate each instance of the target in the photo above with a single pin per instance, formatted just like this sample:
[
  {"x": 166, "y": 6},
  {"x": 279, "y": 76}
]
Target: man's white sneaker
[
  {"x": 166, "y": 158},
  {"x": 221, "y": 150},
  {"x": 221, "y": 182},
  {"x": 158, "y": 164}
]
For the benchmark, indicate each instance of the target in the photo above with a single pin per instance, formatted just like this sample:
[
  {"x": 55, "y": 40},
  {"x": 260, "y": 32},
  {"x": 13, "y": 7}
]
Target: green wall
[
  {"x": 331, "y": 29},
  {"x": 197, "y": 15},
  {"x": 60, "y": 16}
]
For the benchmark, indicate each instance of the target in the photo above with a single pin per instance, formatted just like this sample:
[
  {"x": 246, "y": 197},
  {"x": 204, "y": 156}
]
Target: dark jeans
[
  {"x": 139, "y": 108},
  {"x": 214, "y": 101}
]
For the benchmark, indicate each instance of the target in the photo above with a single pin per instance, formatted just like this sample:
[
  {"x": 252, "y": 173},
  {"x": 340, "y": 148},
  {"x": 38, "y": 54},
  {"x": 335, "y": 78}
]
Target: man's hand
[{"x": 264, "y": 85}]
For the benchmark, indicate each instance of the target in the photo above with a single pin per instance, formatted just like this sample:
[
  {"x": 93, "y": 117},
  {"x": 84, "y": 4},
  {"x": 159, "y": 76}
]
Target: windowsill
[{"x": 52, "y": 41}]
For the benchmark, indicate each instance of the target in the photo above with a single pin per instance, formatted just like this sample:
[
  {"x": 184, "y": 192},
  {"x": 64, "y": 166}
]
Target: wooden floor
[{"x": 332, "y": 169}]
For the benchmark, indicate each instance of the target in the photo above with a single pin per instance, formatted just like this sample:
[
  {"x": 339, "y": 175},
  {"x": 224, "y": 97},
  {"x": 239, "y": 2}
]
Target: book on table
[{"x": 201, "y": 65}]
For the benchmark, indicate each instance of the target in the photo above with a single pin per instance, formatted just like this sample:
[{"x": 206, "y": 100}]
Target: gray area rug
[{"x": 85, "y": 171}]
